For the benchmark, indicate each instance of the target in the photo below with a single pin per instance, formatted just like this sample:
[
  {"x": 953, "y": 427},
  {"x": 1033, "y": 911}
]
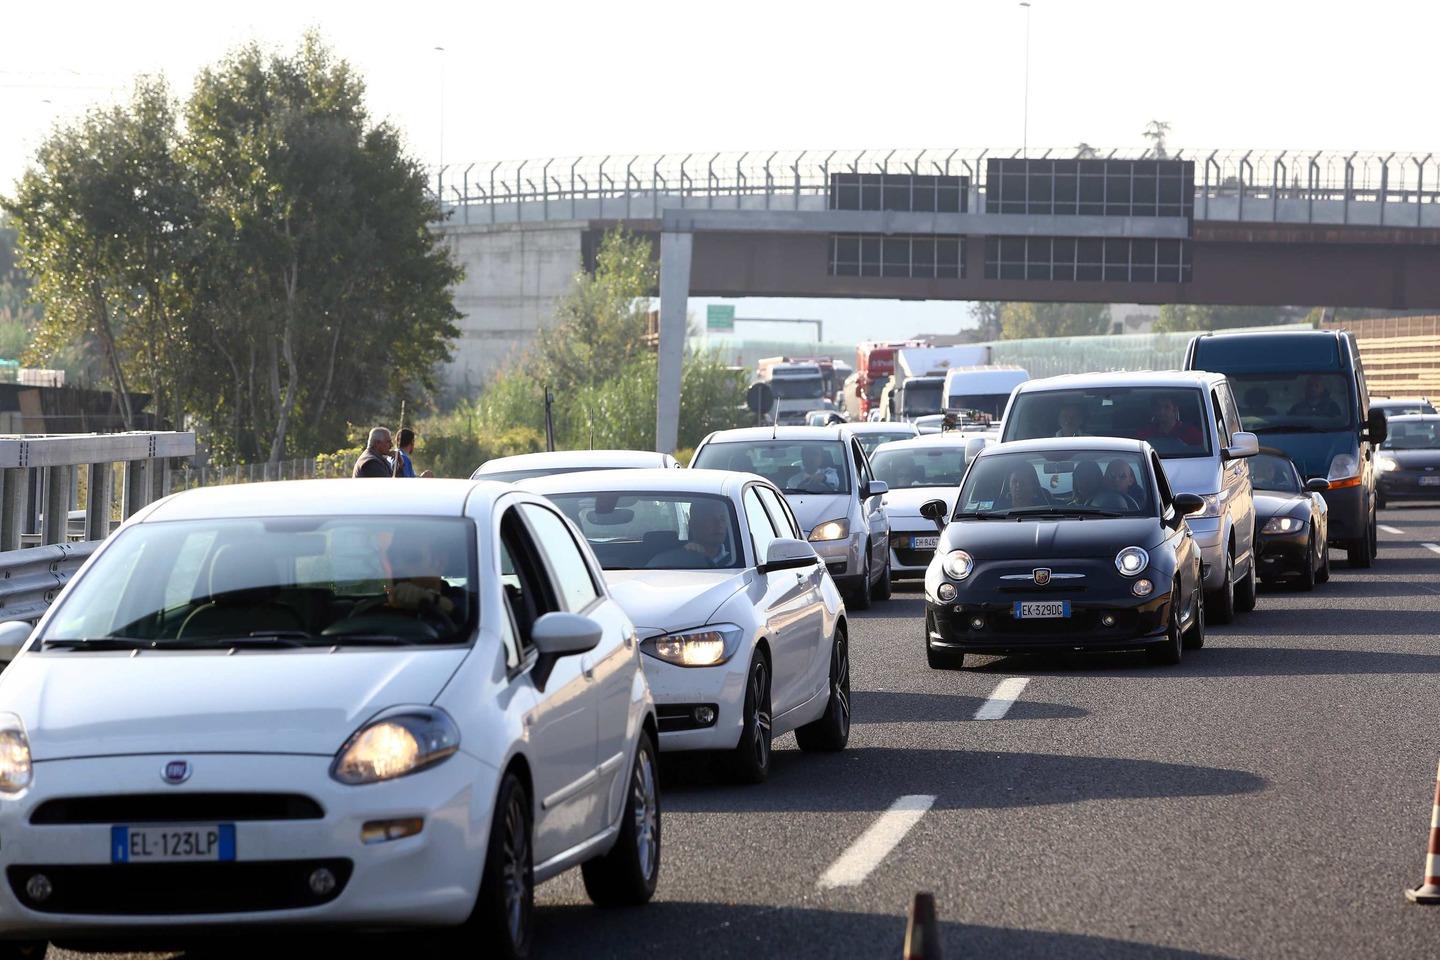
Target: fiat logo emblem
[
  {"x": 1041, "y": 575},
  {"x": 176, "y": 771}
]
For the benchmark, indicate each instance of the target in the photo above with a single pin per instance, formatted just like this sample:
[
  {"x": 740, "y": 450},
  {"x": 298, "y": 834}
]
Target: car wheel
[
  {"x": 1307, "y": 576},
  {"x": 23, "y": 950},
  {"x": 1168, "y": 653},
  {"x": 1223, "y": 600},
  {"x": 832, "y": 731},
  {"x": 1323, "y": 576},
  {"x": 1374, "y": 537},
  {"x": 1195, "y": 636},
  {"x": 882, "y": 588},
  {"x": 1246, "y": 591},
  {"x": 1379, "y": 500},
  {"x": 750, "y": 760},
  {"x": 944, "y": 659},
  {"x": 1358, "y": 555},
  {"x": 626, "y": 876},
  {"x": 506, "y": 904},
  {"x": 860, "y": 598}
]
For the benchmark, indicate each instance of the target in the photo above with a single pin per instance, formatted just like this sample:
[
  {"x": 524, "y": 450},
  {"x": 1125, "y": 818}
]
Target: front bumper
[
  {"x": 678, "y": 691},
  {"x": 1407, "y": 484},
  {"x": 845, "y": 559},
  {"x": 1282, "y": 554},
  {"x": 1349, "y": 515},
  {"x": 430, "y": 879},
  {"x": 906, "y": 562}
]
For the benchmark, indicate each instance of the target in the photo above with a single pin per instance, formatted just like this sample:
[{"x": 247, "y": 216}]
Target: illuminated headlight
[
  {"x": 702, "y": 647},
  {"x": 1385, "y": 463},
  {"x": 1282, "y": 525},
  {"x": 958, "y": 564},
  {"x": 1131, "y": 561},
  {"x": 830, "y": 530},
  {"x": 15, "y": 770},
  {"x": 1211, "y": 510},
  {"x": 1142, "y": 588},
  {"x": 393, "y": 745}
]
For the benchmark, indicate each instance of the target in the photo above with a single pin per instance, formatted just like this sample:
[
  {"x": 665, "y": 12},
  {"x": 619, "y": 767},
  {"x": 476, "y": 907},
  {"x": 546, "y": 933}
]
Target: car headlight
[
  {"x": 1344, "y": 471},
  {"x": 1385, "y": 463},
  {"x": 830, "y": 530},
  {"x": 701, "y": 647},
  {"x": 1131, "y": 561},
  {"x": 396, "y": 744},
  {"x": 1211, "y": 510},
  {"x": 1282, "y": 525},
  {"x": 15, "y": 769},
  {"x": 957, "y": 564}
]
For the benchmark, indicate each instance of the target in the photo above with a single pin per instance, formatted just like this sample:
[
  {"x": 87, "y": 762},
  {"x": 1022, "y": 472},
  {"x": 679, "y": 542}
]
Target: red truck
[{"x": 874, "y": 364}]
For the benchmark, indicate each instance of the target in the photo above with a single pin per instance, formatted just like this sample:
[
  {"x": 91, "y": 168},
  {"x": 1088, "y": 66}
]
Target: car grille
[
  {"x": 176, "y": 808},
  {"x": 914, "y": 558},
  {"x": 153, "y": 889},
  {"x": 1079, "y": 622}
]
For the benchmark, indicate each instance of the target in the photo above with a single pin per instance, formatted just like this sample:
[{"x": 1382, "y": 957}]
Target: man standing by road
[
  {"x": 373, "y": 462},
  {"x": 405, "y": 449}
]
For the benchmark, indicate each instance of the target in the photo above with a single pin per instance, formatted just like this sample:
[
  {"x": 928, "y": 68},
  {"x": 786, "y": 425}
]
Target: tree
[
  {"x": 1083, "y": 151},
  {"x": 987, "y": 315},
  {"x": 1155, "y": 132},
  {"x": 1175, "y": 318},
  {"x": 1019, "y": 321},
  {"x": 19, "y": 314}
]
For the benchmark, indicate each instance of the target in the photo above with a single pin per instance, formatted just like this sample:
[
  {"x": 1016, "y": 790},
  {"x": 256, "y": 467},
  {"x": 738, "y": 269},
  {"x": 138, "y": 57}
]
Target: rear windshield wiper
[{"x": 99, "y": 643}]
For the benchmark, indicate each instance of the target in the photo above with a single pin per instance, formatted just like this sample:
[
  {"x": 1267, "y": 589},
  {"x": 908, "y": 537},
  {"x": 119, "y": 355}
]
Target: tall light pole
[
  {"x": 441, "y": 52},
  {"x": 1025, "y": 128}
]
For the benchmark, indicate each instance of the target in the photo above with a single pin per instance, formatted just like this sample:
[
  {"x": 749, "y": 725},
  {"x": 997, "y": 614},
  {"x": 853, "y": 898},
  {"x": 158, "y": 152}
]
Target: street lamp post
[
  {"x": 1025, "y": 128},
  {"x": 441, "y": 159}
]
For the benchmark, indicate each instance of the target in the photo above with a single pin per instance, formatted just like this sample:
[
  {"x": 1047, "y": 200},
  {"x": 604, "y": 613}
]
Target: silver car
[
  {"x": 919, "y": 470},
  {"x": 827, "y": 481}
]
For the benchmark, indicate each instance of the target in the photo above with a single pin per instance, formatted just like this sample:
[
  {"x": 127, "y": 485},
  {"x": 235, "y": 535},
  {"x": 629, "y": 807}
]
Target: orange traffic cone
[{"x": 1429, "y": 890}]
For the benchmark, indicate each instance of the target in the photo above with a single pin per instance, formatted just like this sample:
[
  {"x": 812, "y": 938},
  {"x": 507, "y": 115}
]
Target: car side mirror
[
  {"x": 557, "y": 635},
  {"x": 13, "y": 636},
  {"x": 1242, "y": 445},
  {"x": 787, "y": 554},
  {"x": 1377, "y": 428},
  {"x": 936, "y": 512},
  {"x": 1188, "y": 503},
  {"x": 876, "y": 488},
  {"x": 1317, "y": 485}
]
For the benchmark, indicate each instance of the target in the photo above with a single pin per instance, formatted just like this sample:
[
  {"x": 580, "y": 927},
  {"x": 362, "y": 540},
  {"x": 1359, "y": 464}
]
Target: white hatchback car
[
  {"x": 525, "y": 466},
  {"x": 329, "y": 702},
  {"x": 918, "y": 470},
  {"x": 744, "y": 630}
]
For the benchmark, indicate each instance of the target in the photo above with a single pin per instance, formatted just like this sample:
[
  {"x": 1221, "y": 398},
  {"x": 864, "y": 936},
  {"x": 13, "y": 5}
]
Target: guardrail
[{"x": 30, "y": 579}]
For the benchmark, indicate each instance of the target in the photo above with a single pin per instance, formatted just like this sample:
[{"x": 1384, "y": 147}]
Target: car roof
[
  {"x": 573, "y": 458},
  {"x": 1122, "y": 378},
  {"x": 880, "y": 426},
  {"x": 381, "y": 496},
  {"x": 1414, "y": 418},
  {"x": 725, "y": 482},
  {"x": 1092, "y": 444},
  {"x": 835, "y": 432},
  {"x": 952, "y": 438}
]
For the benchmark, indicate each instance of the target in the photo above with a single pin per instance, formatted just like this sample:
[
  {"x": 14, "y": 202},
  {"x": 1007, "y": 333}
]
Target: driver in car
[
  {"x": 709, "y": 543},
  {"x": 1165, "y": 423},
  {"x": 815, "y": 474},
  {"x": 417, "y": 583},
  {"x": 1025, "y": 489}
]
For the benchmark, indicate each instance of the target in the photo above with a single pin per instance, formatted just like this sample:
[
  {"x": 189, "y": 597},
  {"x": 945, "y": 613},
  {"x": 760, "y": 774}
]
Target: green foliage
[
  {"x": 1176, "y": 318},
  {"x": 1022, "y": 321},
  {"x": 19, "y": 315}
]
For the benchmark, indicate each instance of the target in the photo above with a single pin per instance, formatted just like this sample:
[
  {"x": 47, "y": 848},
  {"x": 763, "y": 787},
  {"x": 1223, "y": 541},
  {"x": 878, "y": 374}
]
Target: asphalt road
[{"x": 1269, "y": 797}]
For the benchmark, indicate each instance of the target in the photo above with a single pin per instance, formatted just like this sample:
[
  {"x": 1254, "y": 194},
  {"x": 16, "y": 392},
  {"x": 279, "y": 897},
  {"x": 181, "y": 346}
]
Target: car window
[
  {"x": 907, "y": 468},
  {"x": 780, "y": 516},
  {"x": 1269, "y": 472},
  {"x": 1162, "y": 485},
  {"x": 1173, "y": 419},
  {"x": 1058, "y": 481},
  {"x": 528, "y": 592},
  {"x": 569, "y": 572},
  {"x": 795, "y": 466},
  {"x": 762, "y": 530},
  {"x": 655, "y": 531},
  {"x": 1233, "y": 424}
]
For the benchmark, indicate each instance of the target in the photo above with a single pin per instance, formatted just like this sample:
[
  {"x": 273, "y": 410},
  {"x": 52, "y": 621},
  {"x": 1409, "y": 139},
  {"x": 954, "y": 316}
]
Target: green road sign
[{"x": 720, "y": 318}]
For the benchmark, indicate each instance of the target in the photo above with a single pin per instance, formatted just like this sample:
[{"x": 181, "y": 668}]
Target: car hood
[
  {"x": 1191, "y": 475},
  {"x": 1275, "y": 503},
  {"x": 1050, "y": 539},
  {"x": 1416, "y": 459},
  {"x": 299, "y": 702},
  {"x": 813, "y": 509},
  {"x": 907, "y": 503},
  {"x": 659, "y": 601}
]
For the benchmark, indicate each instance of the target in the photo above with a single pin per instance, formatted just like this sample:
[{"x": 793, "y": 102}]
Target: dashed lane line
[
  {"x": 1393, "y": 531},
  {"x": 1432, "y": 547},
  {"x": 1002, "y": 699},
  {"x": 875, "y": 844}
]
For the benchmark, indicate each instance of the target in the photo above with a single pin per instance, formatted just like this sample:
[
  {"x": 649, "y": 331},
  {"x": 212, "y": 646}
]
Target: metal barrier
[{"x": 30, "y": 579}]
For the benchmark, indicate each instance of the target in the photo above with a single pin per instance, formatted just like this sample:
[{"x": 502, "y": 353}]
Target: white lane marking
[
  {"x": 1002, "y": 699},
  {"x": 1433, "y": 547},
  {"x": 875, "y": 844},
  {"x": 1393, "y": 531}
]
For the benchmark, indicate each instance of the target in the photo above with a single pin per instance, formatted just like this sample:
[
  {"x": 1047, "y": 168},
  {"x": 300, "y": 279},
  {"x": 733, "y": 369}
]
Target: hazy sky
[{"x": 536, "y": 78}]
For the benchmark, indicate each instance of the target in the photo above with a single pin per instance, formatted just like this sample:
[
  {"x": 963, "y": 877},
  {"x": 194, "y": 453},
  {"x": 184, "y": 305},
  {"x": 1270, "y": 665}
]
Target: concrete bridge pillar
[{"x": 676, "y": 250}]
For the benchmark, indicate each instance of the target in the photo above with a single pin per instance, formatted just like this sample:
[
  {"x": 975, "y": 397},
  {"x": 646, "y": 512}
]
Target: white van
[{"x": 981, "y": 393}]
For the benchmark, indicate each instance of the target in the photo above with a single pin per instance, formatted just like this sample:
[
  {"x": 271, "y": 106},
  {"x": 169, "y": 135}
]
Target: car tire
[
  {"x": 882, "y": 588},
  {"x": 1358, "y": 555},
  {"x": 831, "y": 732},
  {"x": 1306, "y": 583},
  {"x": 750, "y": 760},
  {"x": 23, "y": 949},
  {"x": 505, "y": 909},
  {"x": 1195, "y": 636},
  {"x": 626, "y": 876},
  {"x": 1374, "y": 537},
  {"x": 1223, "y": 600},
  {"x": 1323, "y": 575},
  {"x": 1379, "y": 500},
  {"x": 860, "y": 597},
  {"x": 944, "y": 659},
  {"x": 1168, "y": 654},
  {"x": 1248, "y": 590}
]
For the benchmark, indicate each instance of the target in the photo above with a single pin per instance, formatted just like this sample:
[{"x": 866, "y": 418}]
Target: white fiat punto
[{"x": 329, "y": 702}]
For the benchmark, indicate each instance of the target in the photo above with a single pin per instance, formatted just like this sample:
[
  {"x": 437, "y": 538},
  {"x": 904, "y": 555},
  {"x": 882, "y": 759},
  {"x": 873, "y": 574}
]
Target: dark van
[{"x": 1304, "y": 392}]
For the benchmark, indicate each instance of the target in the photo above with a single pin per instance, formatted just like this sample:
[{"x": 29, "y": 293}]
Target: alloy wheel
[
  {"x": 840, "y": 679},
  {"x": 517, "y": 871},
  {"x": 647, "y": 832},
  {"x": 761, "y": 718}
]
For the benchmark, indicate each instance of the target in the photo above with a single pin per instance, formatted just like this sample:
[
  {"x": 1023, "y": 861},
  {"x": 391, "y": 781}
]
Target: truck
[
  {"x": 979, "y": 394},
  {"x": 798, "y": 388},
  {"x": 874, "y": 365},
  {"x": 917, "y": 387}
]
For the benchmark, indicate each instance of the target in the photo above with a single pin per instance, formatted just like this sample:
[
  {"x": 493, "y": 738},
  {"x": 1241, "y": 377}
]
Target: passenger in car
[
  {"x": 1087, "y": 481},
  {"x": 1165, "y": 424},
  {"x": 418, "y": 582},
  {"x": 816, "y": 474},
  {"x": 1120, "y": 479},
  {"x": 709, "y": 543}
]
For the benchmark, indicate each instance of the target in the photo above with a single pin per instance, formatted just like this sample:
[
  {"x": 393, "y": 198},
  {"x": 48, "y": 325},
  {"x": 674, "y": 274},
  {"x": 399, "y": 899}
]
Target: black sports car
[
  {"x": 1064, "y": 544},
  {"x": 1292, "y": 521},
  {"x": 1409, "y": 460}
]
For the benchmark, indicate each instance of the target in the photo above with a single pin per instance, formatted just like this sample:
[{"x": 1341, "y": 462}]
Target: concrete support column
[
  {"x": 676, "y": 250},
  {"x": 137, "y": 486},
  {"x": 57, "y": 505},
  {"x": 13, "y": 489},
  {"x": 97, "y": 502}
]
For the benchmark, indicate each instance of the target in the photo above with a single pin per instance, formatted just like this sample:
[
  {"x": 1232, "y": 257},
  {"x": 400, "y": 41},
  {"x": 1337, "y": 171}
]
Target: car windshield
[
  {"x": 1172, "y": 419},
  {"x": 283, "y": 582},
  {"x": 923, "y": 397},
  {"x": 869, "y": 441},
  {"x": 978, "y": 406},
  {"x": 797, "y": 388},
  {"x": 1269, "y": 472},
  {"x": 1403, "y": 409},
  {"x": 1293, "y": 402},
  {"x": 1057, "y": 482},
  {"x": 656, "y": 531},
  {"x": 795, "y": 466},
  {"x": 907, "y": 469},
  {"x": 1413, "y": 435}
]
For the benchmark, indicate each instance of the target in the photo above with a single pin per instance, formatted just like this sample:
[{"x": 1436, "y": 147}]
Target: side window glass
[
  {"x": 1222, "y": 436},
  {"x": 779, "y": 518},
  {"x": 527, "y": 590},
  {"x": 762, "y": 532},
  {"x": 1162, "y": 484},
  {"x": 1233, "y": 424},
  {"x": 569, "y": 572},
  {"x": 862, "y": 465}
]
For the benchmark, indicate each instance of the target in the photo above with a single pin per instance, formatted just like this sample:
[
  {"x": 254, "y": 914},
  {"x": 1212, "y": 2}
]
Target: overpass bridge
[{"x": 1215, "y": 227}]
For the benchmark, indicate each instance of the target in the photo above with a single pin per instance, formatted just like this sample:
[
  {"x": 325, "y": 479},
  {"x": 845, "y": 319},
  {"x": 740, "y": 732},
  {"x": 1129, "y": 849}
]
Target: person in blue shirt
[{"x": 404, "y": 450}]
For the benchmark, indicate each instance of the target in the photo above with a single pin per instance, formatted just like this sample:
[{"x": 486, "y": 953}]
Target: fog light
[
  {"x": 946, "y": 592},
  {"x": 38, "y": 888},
  {"x": 322, "y": 881},
  {"x": 704, "y": 716},
  {"x": 977, "y": 623},
  {"x": 1108, "y": 620},
  {"x": 379, "y": 831},
  {"x": 1142, "y": 588}
]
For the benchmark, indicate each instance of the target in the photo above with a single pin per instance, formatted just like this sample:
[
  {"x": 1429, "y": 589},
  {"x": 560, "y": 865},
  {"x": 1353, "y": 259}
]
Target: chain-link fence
[{"x": 190, "y": 477}]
